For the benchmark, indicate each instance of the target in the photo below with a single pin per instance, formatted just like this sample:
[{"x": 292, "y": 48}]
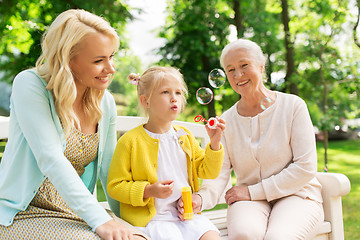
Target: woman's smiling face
[
  {"x": 93, "y": 65},
  {"x": 243, "y": 71}
]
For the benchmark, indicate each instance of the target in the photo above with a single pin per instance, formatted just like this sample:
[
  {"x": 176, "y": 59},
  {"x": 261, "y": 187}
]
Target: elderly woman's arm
[
  {"x": 303, "y": 165},
  {"x": 211, "y": 190}
]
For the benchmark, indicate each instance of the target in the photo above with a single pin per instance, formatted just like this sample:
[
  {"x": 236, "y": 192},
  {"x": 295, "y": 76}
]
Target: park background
[{"x": 312, "y": 49}]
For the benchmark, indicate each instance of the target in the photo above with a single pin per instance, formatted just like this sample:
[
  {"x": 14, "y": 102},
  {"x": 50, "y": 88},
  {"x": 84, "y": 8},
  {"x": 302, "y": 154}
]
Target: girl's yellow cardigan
[{"x": 134, "y": 165}]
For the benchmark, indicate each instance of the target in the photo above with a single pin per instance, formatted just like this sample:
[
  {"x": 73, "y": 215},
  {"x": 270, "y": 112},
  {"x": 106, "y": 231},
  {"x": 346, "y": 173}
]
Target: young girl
[{"x": 153, "y": 161}]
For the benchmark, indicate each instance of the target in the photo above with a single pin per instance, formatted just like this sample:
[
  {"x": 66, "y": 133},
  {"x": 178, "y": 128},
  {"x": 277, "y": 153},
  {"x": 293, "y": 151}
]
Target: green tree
[
  {"x": 24, "y": 21},
  {"x": 195, "y": 32},
  {"x": 323, "y": 64}
]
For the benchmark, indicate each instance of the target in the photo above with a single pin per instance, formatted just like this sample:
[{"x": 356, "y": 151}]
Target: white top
[
  {"x": 171, "y": 166},
  {"x": 273, "y": 153}
]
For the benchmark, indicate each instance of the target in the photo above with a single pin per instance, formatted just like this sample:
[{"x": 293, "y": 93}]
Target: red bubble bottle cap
[{"x": 212, "y": 123}]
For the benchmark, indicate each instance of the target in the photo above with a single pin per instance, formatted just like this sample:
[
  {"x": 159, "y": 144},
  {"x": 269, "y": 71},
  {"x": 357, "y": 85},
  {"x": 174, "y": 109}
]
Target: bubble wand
[{"x": 211, "y": 123}]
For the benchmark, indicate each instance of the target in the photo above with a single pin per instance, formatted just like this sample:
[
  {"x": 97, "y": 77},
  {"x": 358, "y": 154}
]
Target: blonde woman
[
  {"x": 153, "y": 161},
  {"x": 62, "y": 137}
]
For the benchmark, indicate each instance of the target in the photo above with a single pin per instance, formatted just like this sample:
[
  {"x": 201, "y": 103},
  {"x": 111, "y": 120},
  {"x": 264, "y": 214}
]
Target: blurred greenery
[{"x": 344, "y": 157}]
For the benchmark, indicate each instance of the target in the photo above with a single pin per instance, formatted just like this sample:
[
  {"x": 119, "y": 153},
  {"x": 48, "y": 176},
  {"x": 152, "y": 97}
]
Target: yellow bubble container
[{"x": 188, "y": 210}]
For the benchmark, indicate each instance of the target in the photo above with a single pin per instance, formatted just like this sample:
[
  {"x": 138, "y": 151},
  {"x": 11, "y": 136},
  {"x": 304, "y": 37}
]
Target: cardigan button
[{"x": 181, "y": 142}]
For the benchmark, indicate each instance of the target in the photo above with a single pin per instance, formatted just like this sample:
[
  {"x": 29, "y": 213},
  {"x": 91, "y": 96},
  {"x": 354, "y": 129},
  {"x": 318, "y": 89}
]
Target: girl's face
[
  {"x": 243, "y": 71},
  {"x": 93, "y": 65},
  {"x": 166, "y": 101}
]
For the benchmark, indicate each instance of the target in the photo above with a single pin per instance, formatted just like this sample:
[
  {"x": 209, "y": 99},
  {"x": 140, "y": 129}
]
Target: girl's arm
[
  {"x": 216, "y": 134},
  {"x": 120, "y": 184}
]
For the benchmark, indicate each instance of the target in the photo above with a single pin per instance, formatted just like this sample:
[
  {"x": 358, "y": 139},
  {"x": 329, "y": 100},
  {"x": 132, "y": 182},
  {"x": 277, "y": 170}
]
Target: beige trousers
[{"x": 288, "y": 218}]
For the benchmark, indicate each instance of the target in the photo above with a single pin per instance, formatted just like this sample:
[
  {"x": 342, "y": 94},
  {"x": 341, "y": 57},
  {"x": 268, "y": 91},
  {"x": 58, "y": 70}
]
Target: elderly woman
[{"x": 269, "y": 142}]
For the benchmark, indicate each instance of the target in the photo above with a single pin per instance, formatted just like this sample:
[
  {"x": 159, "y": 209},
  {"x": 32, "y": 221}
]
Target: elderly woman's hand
[{"x": 237, "y": 193}]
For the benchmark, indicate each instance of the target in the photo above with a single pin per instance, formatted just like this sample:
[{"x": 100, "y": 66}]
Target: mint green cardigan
[{"x": 35, "y": 150}]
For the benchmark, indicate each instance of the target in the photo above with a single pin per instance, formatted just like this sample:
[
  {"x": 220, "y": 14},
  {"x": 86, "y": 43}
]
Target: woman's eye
[
  {"x": 244, "y": 65},
  {"x": 231, "y": 70},
  {"x": 98, "y": 61},
  {"x": 165, "y": 92},
  {"x": 178, "y": 93}
]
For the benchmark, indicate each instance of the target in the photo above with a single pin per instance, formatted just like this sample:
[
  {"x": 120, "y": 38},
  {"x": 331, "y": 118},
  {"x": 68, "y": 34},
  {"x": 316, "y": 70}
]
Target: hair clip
[{"x": 134, "y": 78}]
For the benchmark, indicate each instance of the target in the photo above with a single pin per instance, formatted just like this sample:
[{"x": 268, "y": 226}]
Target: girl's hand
[
  {"x": 196, "y": 204},
  {"x": 112, "y": 230},
  {"x": 237, "y": 193},
  {"x": 161, "y": 189},
  {"x": 215, "y": 134}
]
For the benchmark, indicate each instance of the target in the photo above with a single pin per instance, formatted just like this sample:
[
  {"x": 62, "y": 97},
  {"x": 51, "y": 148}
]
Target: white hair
[{"x": 248, "y": 45}]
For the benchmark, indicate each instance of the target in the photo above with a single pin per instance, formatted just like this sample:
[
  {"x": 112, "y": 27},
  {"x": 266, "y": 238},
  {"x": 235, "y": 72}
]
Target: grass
[{"x": 343, "y": 157}]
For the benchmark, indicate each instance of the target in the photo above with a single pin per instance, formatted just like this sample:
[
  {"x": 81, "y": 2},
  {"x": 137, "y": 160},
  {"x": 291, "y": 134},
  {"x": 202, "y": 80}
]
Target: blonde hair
[
  {"x": 152, "y": 79},
  {"x": 60, "y": 44},
  {"x": 248, "y": 45}
]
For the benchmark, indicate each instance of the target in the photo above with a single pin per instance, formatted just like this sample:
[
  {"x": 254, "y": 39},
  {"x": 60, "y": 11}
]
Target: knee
[
  {"x": 245, "y": 234},
  {"x": 280, "y": 235}
]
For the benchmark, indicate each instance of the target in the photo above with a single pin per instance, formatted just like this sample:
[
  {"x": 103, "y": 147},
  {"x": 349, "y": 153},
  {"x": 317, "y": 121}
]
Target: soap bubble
[
  {"x": 217, "y": 78},
  {"x": 204, "y": 95},
  {"x": 265, "y": 103}
]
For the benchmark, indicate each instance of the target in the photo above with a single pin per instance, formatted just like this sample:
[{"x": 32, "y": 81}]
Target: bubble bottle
[{"x": 187, "y": 200}]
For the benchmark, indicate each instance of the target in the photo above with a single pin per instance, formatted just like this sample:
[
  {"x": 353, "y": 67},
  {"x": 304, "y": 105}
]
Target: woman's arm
[
  {"x": 211, "y": 190},
  {"x": 37, "y": 120},
  {"x": 301, "y": 168},
  {"x": 108, "y": 148}
]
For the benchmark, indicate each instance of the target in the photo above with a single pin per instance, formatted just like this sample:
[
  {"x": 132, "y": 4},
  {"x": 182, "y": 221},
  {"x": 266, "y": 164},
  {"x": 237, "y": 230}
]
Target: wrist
[
  {"x": 147, "y": 191},
  {"x": 200, "y": 200},
  {"x": 215, "y": 146}
]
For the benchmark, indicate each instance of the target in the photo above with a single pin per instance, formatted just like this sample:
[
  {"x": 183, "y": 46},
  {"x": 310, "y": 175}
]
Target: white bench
[{"x": 335, "y": 185}]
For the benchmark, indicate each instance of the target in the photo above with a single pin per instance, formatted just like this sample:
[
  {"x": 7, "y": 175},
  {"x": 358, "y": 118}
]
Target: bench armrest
[{"x": 334, "y": 186}]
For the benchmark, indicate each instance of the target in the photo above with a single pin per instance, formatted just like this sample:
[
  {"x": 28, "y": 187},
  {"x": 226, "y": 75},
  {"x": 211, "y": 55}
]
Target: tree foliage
[
  {"x": 195, "y": 33},
  {"x": 24, "y": 21},
  {"x": 312, "y": 49}
]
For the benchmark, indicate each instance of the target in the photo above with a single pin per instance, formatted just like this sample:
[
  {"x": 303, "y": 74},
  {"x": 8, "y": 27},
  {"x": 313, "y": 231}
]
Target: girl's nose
[{"x": 173, "y": 98}]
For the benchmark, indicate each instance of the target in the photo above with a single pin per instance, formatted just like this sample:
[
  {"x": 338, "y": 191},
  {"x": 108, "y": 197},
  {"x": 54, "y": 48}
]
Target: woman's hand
[
  {"x": 161, "y": 189},
  {"x": 112, "y": 230},
  {"x": 196, "y": 204},
  {"x": 237, "y": 193},
  {"x": 215, "y": 134}
]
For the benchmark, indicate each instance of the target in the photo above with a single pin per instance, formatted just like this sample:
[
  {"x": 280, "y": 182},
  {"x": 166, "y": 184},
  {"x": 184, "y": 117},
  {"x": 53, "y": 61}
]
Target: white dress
[{"x": 166, "y": 225}]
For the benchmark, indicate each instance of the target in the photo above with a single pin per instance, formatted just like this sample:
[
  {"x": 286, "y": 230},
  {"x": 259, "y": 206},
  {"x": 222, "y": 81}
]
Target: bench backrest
[{"x": 125, "y": 123}]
